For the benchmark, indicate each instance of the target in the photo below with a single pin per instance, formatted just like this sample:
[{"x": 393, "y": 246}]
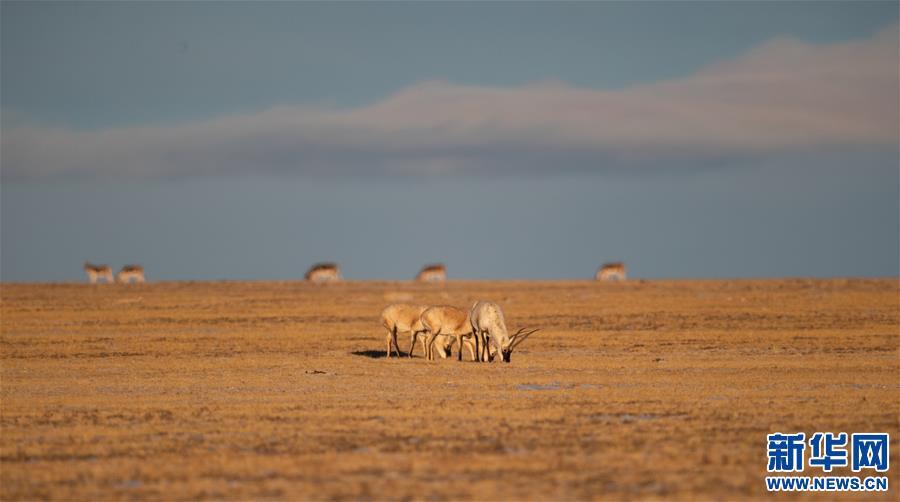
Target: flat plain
[{"x": 262, "y": 390}]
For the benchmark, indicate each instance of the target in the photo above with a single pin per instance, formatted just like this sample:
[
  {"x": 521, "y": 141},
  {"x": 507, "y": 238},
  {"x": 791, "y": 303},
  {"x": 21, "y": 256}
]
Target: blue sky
[
  {"x": 689, "y": 139},
  {"x": 98, "y": 64}
]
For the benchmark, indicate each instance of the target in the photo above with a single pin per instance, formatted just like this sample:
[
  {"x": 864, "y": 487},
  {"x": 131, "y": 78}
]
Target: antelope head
[
  {"x": 514, "y": 341},
  {"x": 444, "y": 346}
]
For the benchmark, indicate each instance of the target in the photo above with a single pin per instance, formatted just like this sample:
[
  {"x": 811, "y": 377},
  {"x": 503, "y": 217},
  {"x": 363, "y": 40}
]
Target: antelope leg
[
  {"x": 396, "y": 345},
  {"x": 412, "y": 342},
  {"x": 388, "y": 353},
  {"x": 429, "y": 349}
]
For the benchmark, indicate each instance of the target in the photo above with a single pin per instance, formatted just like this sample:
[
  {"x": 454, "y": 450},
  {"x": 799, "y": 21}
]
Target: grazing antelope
[
  {"x": 445, "y": 345},
  {"x": 448, "y": 321},
  {"x": 489, "y": 327},
  {"x": 611, "y": 271},
  {"x": 445, "y": 342},
  {"x": 129, "y": 273},
  {"x": 435, "y": 272},
  {"x": 323, "y": 272},
  {"x": 98, "y": 271},
  {"x": 402, "y": 317}
]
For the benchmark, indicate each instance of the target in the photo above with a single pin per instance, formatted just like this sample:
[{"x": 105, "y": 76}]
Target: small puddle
[
  {"x": 538, "y": 386},
  {"x": 557, "y": 386},
  {"x": 627, "y": 418}
]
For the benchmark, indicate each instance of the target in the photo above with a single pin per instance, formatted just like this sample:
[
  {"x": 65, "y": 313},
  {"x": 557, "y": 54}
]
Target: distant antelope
[
  {"x": 98, "y": 271},
  {"x": 435, "y": 272},
  {"x": 611, "y": 271},
  {"x": 323, "y": 272},
  {"x": 129, "y": 273},
  {"x": 489, "y": 326},
  {"x": 448, "y": 321}
]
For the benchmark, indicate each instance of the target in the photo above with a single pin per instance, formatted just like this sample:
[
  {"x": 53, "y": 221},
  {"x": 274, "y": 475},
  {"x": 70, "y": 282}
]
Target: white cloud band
[{"x": 783, "y": 96}]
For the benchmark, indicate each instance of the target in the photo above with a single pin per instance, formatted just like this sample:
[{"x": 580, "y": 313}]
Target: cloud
[{"x": 784, "y": 96}]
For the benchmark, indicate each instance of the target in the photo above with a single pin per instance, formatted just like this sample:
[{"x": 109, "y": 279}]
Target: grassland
[{"x": 281, "y": 389}]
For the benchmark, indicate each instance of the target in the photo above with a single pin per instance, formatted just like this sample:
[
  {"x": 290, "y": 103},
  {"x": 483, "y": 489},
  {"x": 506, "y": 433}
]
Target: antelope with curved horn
[
  {"x": 489, "y": 327},
  {"x": 448, "y": 321}
]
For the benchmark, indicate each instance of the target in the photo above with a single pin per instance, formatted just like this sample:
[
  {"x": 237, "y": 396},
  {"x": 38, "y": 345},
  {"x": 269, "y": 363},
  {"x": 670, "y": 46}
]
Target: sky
[{"x": 247, "y": 140}]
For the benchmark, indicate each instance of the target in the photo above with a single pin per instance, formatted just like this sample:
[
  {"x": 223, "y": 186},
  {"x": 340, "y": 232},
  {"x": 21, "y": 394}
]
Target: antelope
[
  {"x": 323, "y": 272},
  {"x": 489, "y": 326},
  {"x": 448, "y": 321},
  {"x": 611, "y": 271},
  {"x": 98, "y": 271},
  {"x": 402, "y": 317},
  {"x": 445, "y": 344},
  {"x": 129, "y": 273},
  {"x": 435, "y": 272}
]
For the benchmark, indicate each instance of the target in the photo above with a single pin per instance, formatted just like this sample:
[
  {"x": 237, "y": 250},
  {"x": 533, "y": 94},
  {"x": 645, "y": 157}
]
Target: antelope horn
[
  {"x": 512, "y": 339},
  {"x": 518, "y": 340}
]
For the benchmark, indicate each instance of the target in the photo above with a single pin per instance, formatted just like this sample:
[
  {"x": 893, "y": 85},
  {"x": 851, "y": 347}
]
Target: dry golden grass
[{"x": 280, "y": 389}]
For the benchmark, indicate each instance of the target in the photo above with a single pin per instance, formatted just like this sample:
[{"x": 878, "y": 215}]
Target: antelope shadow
[{"x": 375, "y": 354}]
